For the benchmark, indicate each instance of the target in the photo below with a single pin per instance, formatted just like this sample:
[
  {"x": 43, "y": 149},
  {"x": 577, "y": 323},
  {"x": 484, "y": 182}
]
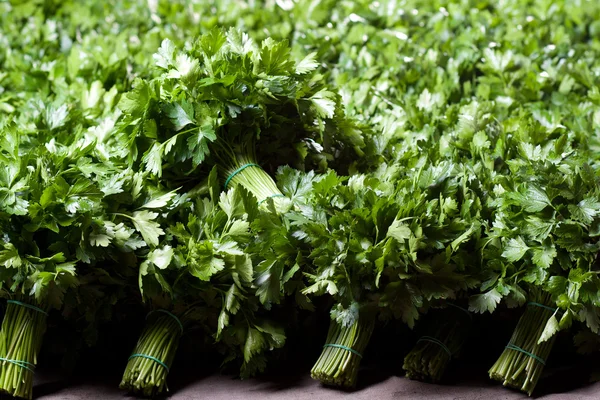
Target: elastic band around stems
[
  {"x": 436, "y": 341},
  {"x": 23, "y": 364},
  {"x": 517, "y": 348},
  {"x": 27, "y": 306},
  {"x": 339, "y": 346},
  {"x": 237, "y": 171},
  {"x": 270, "y": 197},
  {"x": 156, "y": 360},
  {"x": 169, "y": 314},
  {"x": 533, "y": 303},
  {"x": 462, "y": 309}
]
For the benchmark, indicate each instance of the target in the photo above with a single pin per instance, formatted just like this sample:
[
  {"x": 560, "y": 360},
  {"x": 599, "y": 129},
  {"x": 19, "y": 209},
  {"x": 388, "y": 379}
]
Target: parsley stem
[
  {"x": 427, "y": 361},
  {"x": 337, "y": 365},
  {"x": 158, "y": 340},
  {"x": 254, "y": 179},
  {"x": 522, "y": 369},
  {"x": 123, "y": 215},
  {"x": 21, "y": 338}
]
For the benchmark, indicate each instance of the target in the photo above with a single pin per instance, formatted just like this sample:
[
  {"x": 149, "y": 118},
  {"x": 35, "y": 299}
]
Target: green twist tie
[
  {"x": 270, "y": 197},
  {"x": 156, "y": 360},
  {"x": 23, "y": 364},
  {"x": 237, "y": 171},
  {"x": 339, "y": 346},
  {"x": 27, "y": 306},
  {"x": 436, "y": 341},
  {"x": 533, "y": 303},
  {"x": 462, "y": 309},
  {"x": 169, "y": 314},
  {"x": 517, "y": 348}
]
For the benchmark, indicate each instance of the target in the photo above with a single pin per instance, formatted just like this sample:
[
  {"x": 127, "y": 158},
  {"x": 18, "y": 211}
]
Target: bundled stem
[
  {"x": 443, "y": 337},
  {"x": 253, "y": 178},
  {"x": 21, "y": 338},
  {"x": 522, "y": 362},
  {"x": 340, "y": 359},
  {"x": 148, "y": 366}
]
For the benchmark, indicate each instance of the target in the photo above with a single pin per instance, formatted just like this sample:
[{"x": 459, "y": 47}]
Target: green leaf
[
  {"x": 232, "y": 296},
  {"x": 585, "y": 211},
  {"x": 136, "y": 102},
  {"x": 543, "y": 256},
  {"x": 240, "y": 42},
  {"x": 239, "y": 228},
  {"x": 153, "y": 159},
  {"x": 550, "y": 330},
  {"x": 205, "y": 264},
  {"x": 99, "y": 239},
  {"x": 557, "y": 285},
  {"x": 275, "y": 333},
  {"x": 243, "y": 266},
  {"x": 165, "y": 56},
  {"x": 160, "y": 201},
  {"x": 591, "y": 316},
  {"x": 231, "y": 203},
  {"x": 535, "y": 199},
  {"x": 399, "y": 231},
  {"x": 9, "y": 257},
  {"x": 181, "y": 114},
  {"x": 222, "y": 322},
  {"x": 145, "y": 223},
  {"x": 67, "y": 268},
  {"x": 275, "y": 57},
  {"x": 161, "y": 257},
  {"x": 324, "y": 103},
  {"x": 307, "y": 64},
  {"x": 143, "y": 271},
  {"x": 515, "y": 249},
  {"x": 485, "y": 302},
  {"x": 255, "y": 342}
]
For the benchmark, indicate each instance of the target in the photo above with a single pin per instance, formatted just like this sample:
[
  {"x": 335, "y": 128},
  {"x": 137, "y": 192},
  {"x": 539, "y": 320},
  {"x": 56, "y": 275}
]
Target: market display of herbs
[{"x": 227, "y": 165}]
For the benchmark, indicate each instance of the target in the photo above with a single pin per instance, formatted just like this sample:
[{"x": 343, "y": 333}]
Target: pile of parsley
[{"x": 223, "y": 164}]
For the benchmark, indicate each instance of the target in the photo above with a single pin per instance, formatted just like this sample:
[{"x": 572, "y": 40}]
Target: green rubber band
[
  {"x": 156, "y": 360},
  {"x": 23, "y": 364},
  {"x": 27, "y": 306},
  {"x": 462, "y": 309},
  {"x": 339, "y": 346},
  {"x": 517, "y": 348},
  {"x": 169, "y": 314},
  {"x": 270, "y": 197},
  {"x": 436, "y": 341},
  {"x": 533, "y": 303},
  {"x": 237, "y": 171}
]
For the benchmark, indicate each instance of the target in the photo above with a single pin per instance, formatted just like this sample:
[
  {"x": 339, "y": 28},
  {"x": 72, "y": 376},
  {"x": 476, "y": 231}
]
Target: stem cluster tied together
[
  {"x": 442, "y": 339},
  {"x": 522, "y": 361},
  {"x": 148, "y": 366},
  {"x": 21, "y": 338},
  {"x": 340, "y": 359},
  {"x": 254, "y": 179}
]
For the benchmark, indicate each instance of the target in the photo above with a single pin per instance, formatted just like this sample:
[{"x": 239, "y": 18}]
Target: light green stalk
[
  {"x": 443, "y": 337},
  {"x": 159, "y": 340},
  {"x": 21, "y": 339},
  {"x": 518, "y": 369},
  {"x": 339, "y": 366}
]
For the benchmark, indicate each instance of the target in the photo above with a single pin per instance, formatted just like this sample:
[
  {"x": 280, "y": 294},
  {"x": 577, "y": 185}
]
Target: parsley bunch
[
  {"x": 389, "y": 242},
  {"x": 242, "y": 106},
  {"x": 201, "y": 275}
]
